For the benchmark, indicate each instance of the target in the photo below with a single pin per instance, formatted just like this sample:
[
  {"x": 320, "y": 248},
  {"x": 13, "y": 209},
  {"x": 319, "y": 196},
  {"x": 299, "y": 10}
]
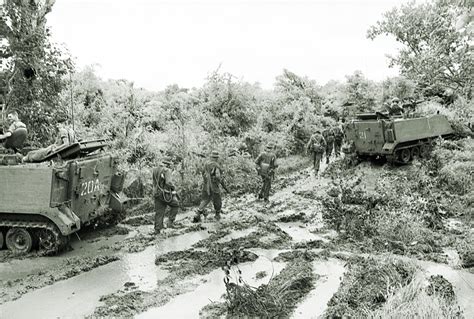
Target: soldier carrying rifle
[{"x": 213, "y": 180}]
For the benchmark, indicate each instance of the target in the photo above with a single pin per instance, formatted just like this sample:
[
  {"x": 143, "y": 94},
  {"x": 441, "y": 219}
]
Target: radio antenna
[{"x": 72, "y": 104}]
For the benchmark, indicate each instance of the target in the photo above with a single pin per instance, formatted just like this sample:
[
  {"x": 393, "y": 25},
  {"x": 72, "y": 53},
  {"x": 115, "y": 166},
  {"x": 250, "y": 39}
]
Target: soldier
[
  {"x": 213, "y": 179},
  {"x": 395, "y": 108},
  {"x": 165, "y": 194},
  {"x": 338, "y": 138},
  {"x": 266, "y": 165},
  {"x": 329, "y": 138},
  {"x": 15, "y": 124},
  {"x": 65, "y": 137},
  {"x": 316, "y": 145}
]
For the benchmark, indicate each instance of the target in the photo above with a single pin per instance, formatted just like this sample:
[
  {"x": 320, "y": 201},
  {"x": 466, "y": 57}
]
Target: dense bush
[{"x": 399, "y": 212}]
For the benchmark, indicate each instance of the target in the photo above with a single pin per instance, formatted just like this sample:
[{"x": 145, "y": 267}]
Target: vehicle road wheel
[
  {"x": 405, "y": 155},
  {"x": 424, "y": 151},
  {"x": 46, "y": 240},
  {"x": 415, "y": 152},
  {"x": 1, "y": 240},
  {"x": 19, "y": 240}
]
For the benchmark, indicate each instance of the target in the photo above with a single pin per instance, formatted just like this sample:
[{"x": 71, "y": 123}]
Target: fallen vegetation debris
[
  {"x": 415, "y": 301},
  {"x": 367, "y": 285},
  {"x": 195, "y": 262},
  {"x": 293, "y": 218},
  {"x": 277, "y": 299}
]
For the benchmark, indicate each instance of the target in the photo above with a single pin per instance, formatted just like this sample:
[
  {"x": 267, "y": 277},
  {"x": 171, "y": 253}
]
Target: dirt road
[{"x": 126, "y": 271}]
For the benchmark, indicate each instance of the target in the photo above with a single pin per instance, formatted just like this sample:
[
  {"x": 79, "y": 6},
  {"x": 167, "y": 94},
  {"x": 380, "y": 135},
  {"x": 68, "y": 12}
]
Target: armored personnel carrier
[
  {"x": 395, "y": 138},
  {"x": 42, "y": 203}
]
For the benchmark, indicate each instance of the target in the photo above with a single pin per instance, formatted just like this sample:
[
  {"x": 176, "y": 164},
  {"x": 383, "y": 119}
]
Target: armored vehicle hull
[
  {"x": 43, "y": 203},
  {"x": 397, "y": 139}
]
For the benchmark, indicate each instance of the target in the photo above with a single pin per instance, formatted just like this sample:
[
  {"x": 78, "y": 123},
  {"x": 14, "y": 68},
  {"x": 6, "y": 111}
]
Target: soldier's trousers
[
  {"x": 337, "y": 147},
  {"x": 317, "y": 160},
  {"x": 160, "y": 209},
  {"x": 39, "y": 154},
  {"x": 266, "y": 186},
  {"x": 329, "y": 148},
  {"x": 207, "y": 198}
]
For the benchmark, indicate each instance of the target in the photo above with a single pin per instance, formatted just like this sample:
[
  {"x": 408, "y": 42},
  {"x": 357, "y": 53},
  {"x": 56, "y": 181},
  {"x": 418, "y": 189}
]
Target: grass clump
[
  {"x": 417, "y": 301},
  {"x": 367, "y": 285}
]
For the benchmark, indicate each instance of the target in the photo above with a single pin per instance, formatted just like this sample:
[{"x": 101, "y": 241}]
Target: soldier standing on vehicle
[
  {"x": 213, "y": 180},
  {"x": 316, "y": 145},
  {"x": 329, "y": 138},
  {"x": 266, "y": 164},
  {"x": 395, "y": 108},
  {"x": 165, "y": 194},
  {"x": 338, "y": 138}
]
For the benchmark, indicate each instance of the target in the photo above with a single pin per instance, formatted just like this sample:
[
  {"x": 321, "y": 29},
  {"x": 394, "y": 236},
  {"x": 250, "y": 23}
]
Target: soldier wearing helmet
[
  {"x": 213, "y": 180},
  {"x": 338, "y": 138},
  {"x": 316, "y": 145},
  {"x": 266, "y": 163},
  {"x": 165, "y": 194},
  {"x": 395, "y": 108}
]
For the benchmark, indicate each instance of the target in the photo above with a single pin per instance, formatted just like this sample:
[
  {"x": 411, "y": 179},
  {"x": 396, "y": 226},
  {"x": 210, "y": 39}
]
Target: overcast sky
[{"x": 156, "y": 43}]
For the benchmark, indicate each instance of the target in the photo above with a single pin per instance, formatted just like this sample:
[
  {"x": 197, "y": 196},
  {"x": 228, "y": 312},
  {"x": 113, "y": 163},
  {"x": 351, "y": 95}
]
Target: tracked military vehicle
[
  {"x": 42, "y": 203},
  {"x": 395, "y": 138}
]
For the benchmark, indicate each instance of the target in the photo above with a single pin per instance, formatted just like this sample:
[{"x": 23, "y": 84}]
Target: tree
[
  {"x": 399, "y": 87},
  {"x": 34, "y": 67},
  {"x": 361, "y": 94},
  {"x": 293, "y": 87},
  {"x": 228, "y": 104},
  {"x": 436, "y": 36}
]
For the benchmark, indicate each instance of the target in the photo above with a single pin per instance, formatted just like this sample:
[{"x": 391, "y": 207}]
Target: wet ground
[{"x": 114, "y": 272}]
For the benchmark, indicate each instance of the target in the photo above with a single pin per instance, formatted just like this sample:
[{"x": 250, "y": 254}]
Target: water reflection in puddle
[
  {"x": 300, "y": 233},
  {"x": 462, "y": 281},
  {"x": 189, "y": 304},
  {"x": 237, "y": 234},
  {"x": 78, "y": 296},
  {"x": 330, "y": 272}
]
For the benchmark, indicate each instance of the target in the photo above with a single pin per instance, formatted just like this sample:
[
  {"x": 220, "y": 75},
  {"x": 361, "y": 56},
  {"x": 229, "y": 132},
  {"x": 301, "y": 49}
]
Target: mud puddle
[
  {"x": 16, "y": 268},
  {"x": 78, "y": 296},
  {"x": 237, "y": 234},
  {"x": 212, "y": 289},
  {"x": 331, "y": 272},
  {"x": 462, "y": 281},
  {"x": 299, "y": 232}
]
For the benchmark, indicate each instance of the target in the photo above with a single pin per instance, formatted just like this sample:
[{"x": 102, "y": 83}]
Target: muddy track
[{"x": 127, "y": 271}]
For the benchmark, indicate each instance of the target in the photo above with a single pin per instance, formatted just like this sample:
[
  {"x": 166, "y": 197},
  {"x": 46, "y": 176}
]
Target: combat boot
[{"x": 218, "y": 215}]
